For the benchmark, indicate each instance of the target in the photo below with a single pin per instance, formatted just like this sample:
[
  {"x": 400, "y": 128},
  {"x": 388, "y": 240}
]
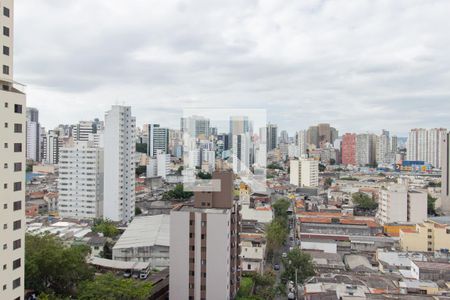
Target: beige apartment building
[
  {"x": 428, "y": 236},
  {"x": 304, "y": 172},
  {"x": 204, "y": 245},
  {"x": 397, "y": 204},
  {"x": 12, "y": 166}
]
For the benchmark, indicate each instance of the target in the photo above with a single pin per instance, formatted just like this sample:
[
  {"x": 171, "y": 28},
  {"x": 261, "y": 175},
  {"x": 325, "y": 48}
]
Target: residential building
[
  {"x": 445, "y": 178},
  {"x": 366, "y": 149},
  {"x": 12, "y": 170},
  {"x": 33, "y": 134},
  {"x": 204, "y": 245},
  {"x": 349, "y": 149},
  {"x": 197, "y": 127},
  {"x": 384, "y": 154},
  {"x": 321, "y": 135},
  {"x": 51, "y": 151},
  {"x": 400, "y": 205},
  {"x": 242, "y": 147},
  {"x": 119, "y": 167},
  {"x": 428, "y": 236},
  {"x": 83, "y": 129},
  {"x": 146, "y": 239},
  {"x": 158, "y": 139},
  {"x": 80, "y": 182},
  {"x": 304, "y": 172},
  {"x": 301, "y": 142},
  {"x": 163, "y": 164},
  {"x": 425, "y": 145},
  {"x": 272, "y": 137}
]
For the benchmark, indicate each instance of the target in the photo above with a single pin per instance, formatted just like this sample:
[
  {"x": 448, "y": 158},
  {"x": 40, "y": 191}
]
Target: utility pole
[{"x": 296, "y": 285}]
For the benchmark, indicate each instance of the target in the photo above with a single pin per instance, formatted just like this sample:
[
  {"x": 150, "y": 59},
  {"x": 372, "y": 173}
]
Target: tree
[
  {"x": 108, "y": 286},
  {"x": 106, "y": 227},
  {"x": 179, "y": 170},
  {"x": 322, "y": 167},
  {"x": 52, "y": 268},
  {"x": 177, "y": 193},
  {"x": 141, "y": 147},
  {"x": 332, "y": 161},
  {"x": 276, "y": 234},
  {"x": 280, "y": 207},
  {"x": 204, "y": 175},
  {"x": 431, "y": 201},
  {"x": 140, "y": 170},
  {"x": 300, "y": 261},
  {"x": 363, "y": 201},
  {"x": 274, "y": 166},
  {"x": 137, "y": 211},
  {"x": 265, "y": 285},
  {"x": 328, "y": 182}
]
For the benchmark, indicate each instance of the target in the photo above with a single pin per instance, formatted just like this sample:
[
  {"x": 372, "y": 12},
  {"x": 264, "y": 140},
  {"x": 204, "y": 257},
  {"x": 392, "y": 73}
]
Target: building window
[
  {"x": 17, "y": 205},
  {"x": 17, "y": 186},
  {"x": 17, "y": 147},
  {"x": 17, "y": 244},
  {"x": 5, "y": 226},
  {"x": 6, "y": 50},
  {"x": 203, "y": 236},
  {"x": 18, "y": 128},
  {"x": 4, "y": 287},
  {"x": 6, "y": 124},
  {"x": 5, "y": 31},
  {"x": 16, "y": 264},
  {"x": 5, "y": 206},
  {"x": 17, "y": 224},
  {"x": 4, "y": 267},
  {"x": 192, "y": 273},
  {"x": 17, "y": 108},
  {"x": 6, "y": 12},
  {"x": 16, "y": 283},
  {"x": 5, "y": 145},
  {"x": 17, "y": 167},
  {"x": 5, "y": 69},
  {"x": 5, "y": 246},
  {"x": 5, "y": 166},
  {"x": 5, "y": 186}
]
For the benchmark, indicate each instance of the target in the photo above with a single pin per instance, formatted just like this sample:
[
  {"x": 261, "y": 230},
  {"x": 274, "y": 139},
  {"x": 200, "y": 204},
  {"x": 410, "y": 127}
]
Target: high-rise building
[
  {"x": 242, "y": 147},
  {"x": 83, "y": 129},
  {"x": 51, "y": 151},
  {"x": 119, "y": 167},
  {"x": 197, "y": 127},
  {"x": 80, "y": 182},
  {"x": 399, "y": 205},
  {"x": 33, "y": 134},
  {"x": 301, "y": 142},
  {"x": 366, "y": 144},
  {"x": 284, "y": 137},
  {"x": 445, "y": 179},
  {"x": 12, "y": 171},
  {"x": 304, "y": 172},
  {"x": 272, "y": 137},
  {"x": 158, "y": 140},
  {"x": 348, "y": 151},
  {"x": 384, "y": 153},
  {"x": 425, "y": 145},
  {"x": 321, "y": 135},
  {"x": 204, "y": 245}
]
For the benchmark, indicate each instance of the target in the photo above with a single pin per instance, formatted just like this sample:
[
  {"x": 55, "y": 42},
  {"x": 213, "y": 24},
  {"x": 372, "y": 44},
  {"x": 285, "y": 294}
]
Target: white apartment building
[
  {"x": 209, "y": 160},
  {"x": 33, "y": 134},
  {"x": 51, "y": 151},
  {"x": 158, "y": 140},
  {"x": 119, "y": 168},
  {"x": 397, "y": 204},
  {"x": 304, "y": 172},
  {"x": 242, "y": 148},
  {"x": 80, "y": 182},
  {"x": 425, "y": 145},
  {"x": 301, "y": 142},
  {"x": 83, "y": 129},
  {"x": 12, "y": 167},
  {"x": 163, "y": 164},
  {"x": 366, "y": 145}
]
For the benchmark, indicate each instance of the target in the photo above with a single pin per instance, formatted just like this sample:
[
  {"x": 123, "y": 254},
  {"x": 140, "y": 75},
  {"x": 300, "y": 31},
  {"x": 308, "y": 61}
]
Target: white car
[{"x": 284, "y": 255}]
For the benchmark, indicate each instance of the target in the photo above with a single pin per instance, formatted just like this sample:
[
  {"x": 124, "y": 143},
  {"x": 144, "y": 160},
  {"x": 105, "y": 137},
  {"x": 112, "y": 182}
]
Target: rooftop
[{"x": 146, "y": 231}]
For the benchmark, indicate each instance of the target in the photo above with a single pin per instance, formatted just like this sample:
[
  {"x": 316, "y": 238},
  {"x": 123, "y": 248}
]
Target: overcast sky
[{"x": 359, "y": 65}]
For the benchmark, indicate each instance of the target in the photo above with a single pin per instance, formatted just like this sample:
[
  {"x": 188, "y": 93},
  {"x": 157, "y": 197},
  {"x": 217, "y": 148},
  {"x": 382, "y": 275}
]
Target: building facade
[
  {"x": 204, "y": 245},
  {"x": 33, "y": 134},
  {"x": 119, "y": 167},
  {"x": 158, "y": 140},
  {"x": 12, "y": 171},
  {"x": 428, "y": 236},
  {"x": 348, "y": 150},
  {"x": 304, "y": 172},
  {"x": 80, "y": 182}
]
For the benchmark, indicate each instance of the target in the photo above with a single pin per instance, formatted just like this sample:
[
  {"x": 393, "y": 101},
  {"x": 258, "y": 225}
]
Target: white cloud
[{"x": 360, "y": 65}]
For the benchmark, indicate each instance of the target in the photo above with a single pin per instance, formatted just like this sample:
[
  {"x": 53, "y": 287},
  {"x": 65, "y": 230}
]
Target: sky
[{"x": 359, "y": 65}]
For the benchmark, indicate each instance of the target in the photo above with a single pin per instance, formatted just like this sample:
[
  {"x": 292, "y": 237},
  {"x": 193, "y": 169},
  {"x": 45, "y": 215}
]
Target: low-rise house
[
  {"x": 428, "y": 236},
  {"x": 253, "y": 252},
  {"x": 409, "y": 286},
  {"x": 396, "y": 262},
  {"x": 435, "y": 271},
  {"x": 145, "y": 240}
]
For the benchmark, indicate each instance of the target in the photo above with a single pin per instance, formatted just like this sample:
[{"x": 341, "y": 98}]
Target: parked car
[
  {"x": 127, "y": 273},
  {"x": 276, "y": 267}
]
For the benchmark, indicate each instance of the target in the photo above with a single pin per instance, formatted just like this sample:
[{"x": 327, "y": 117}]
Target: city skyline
[{"x": 314, "y": 65}]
